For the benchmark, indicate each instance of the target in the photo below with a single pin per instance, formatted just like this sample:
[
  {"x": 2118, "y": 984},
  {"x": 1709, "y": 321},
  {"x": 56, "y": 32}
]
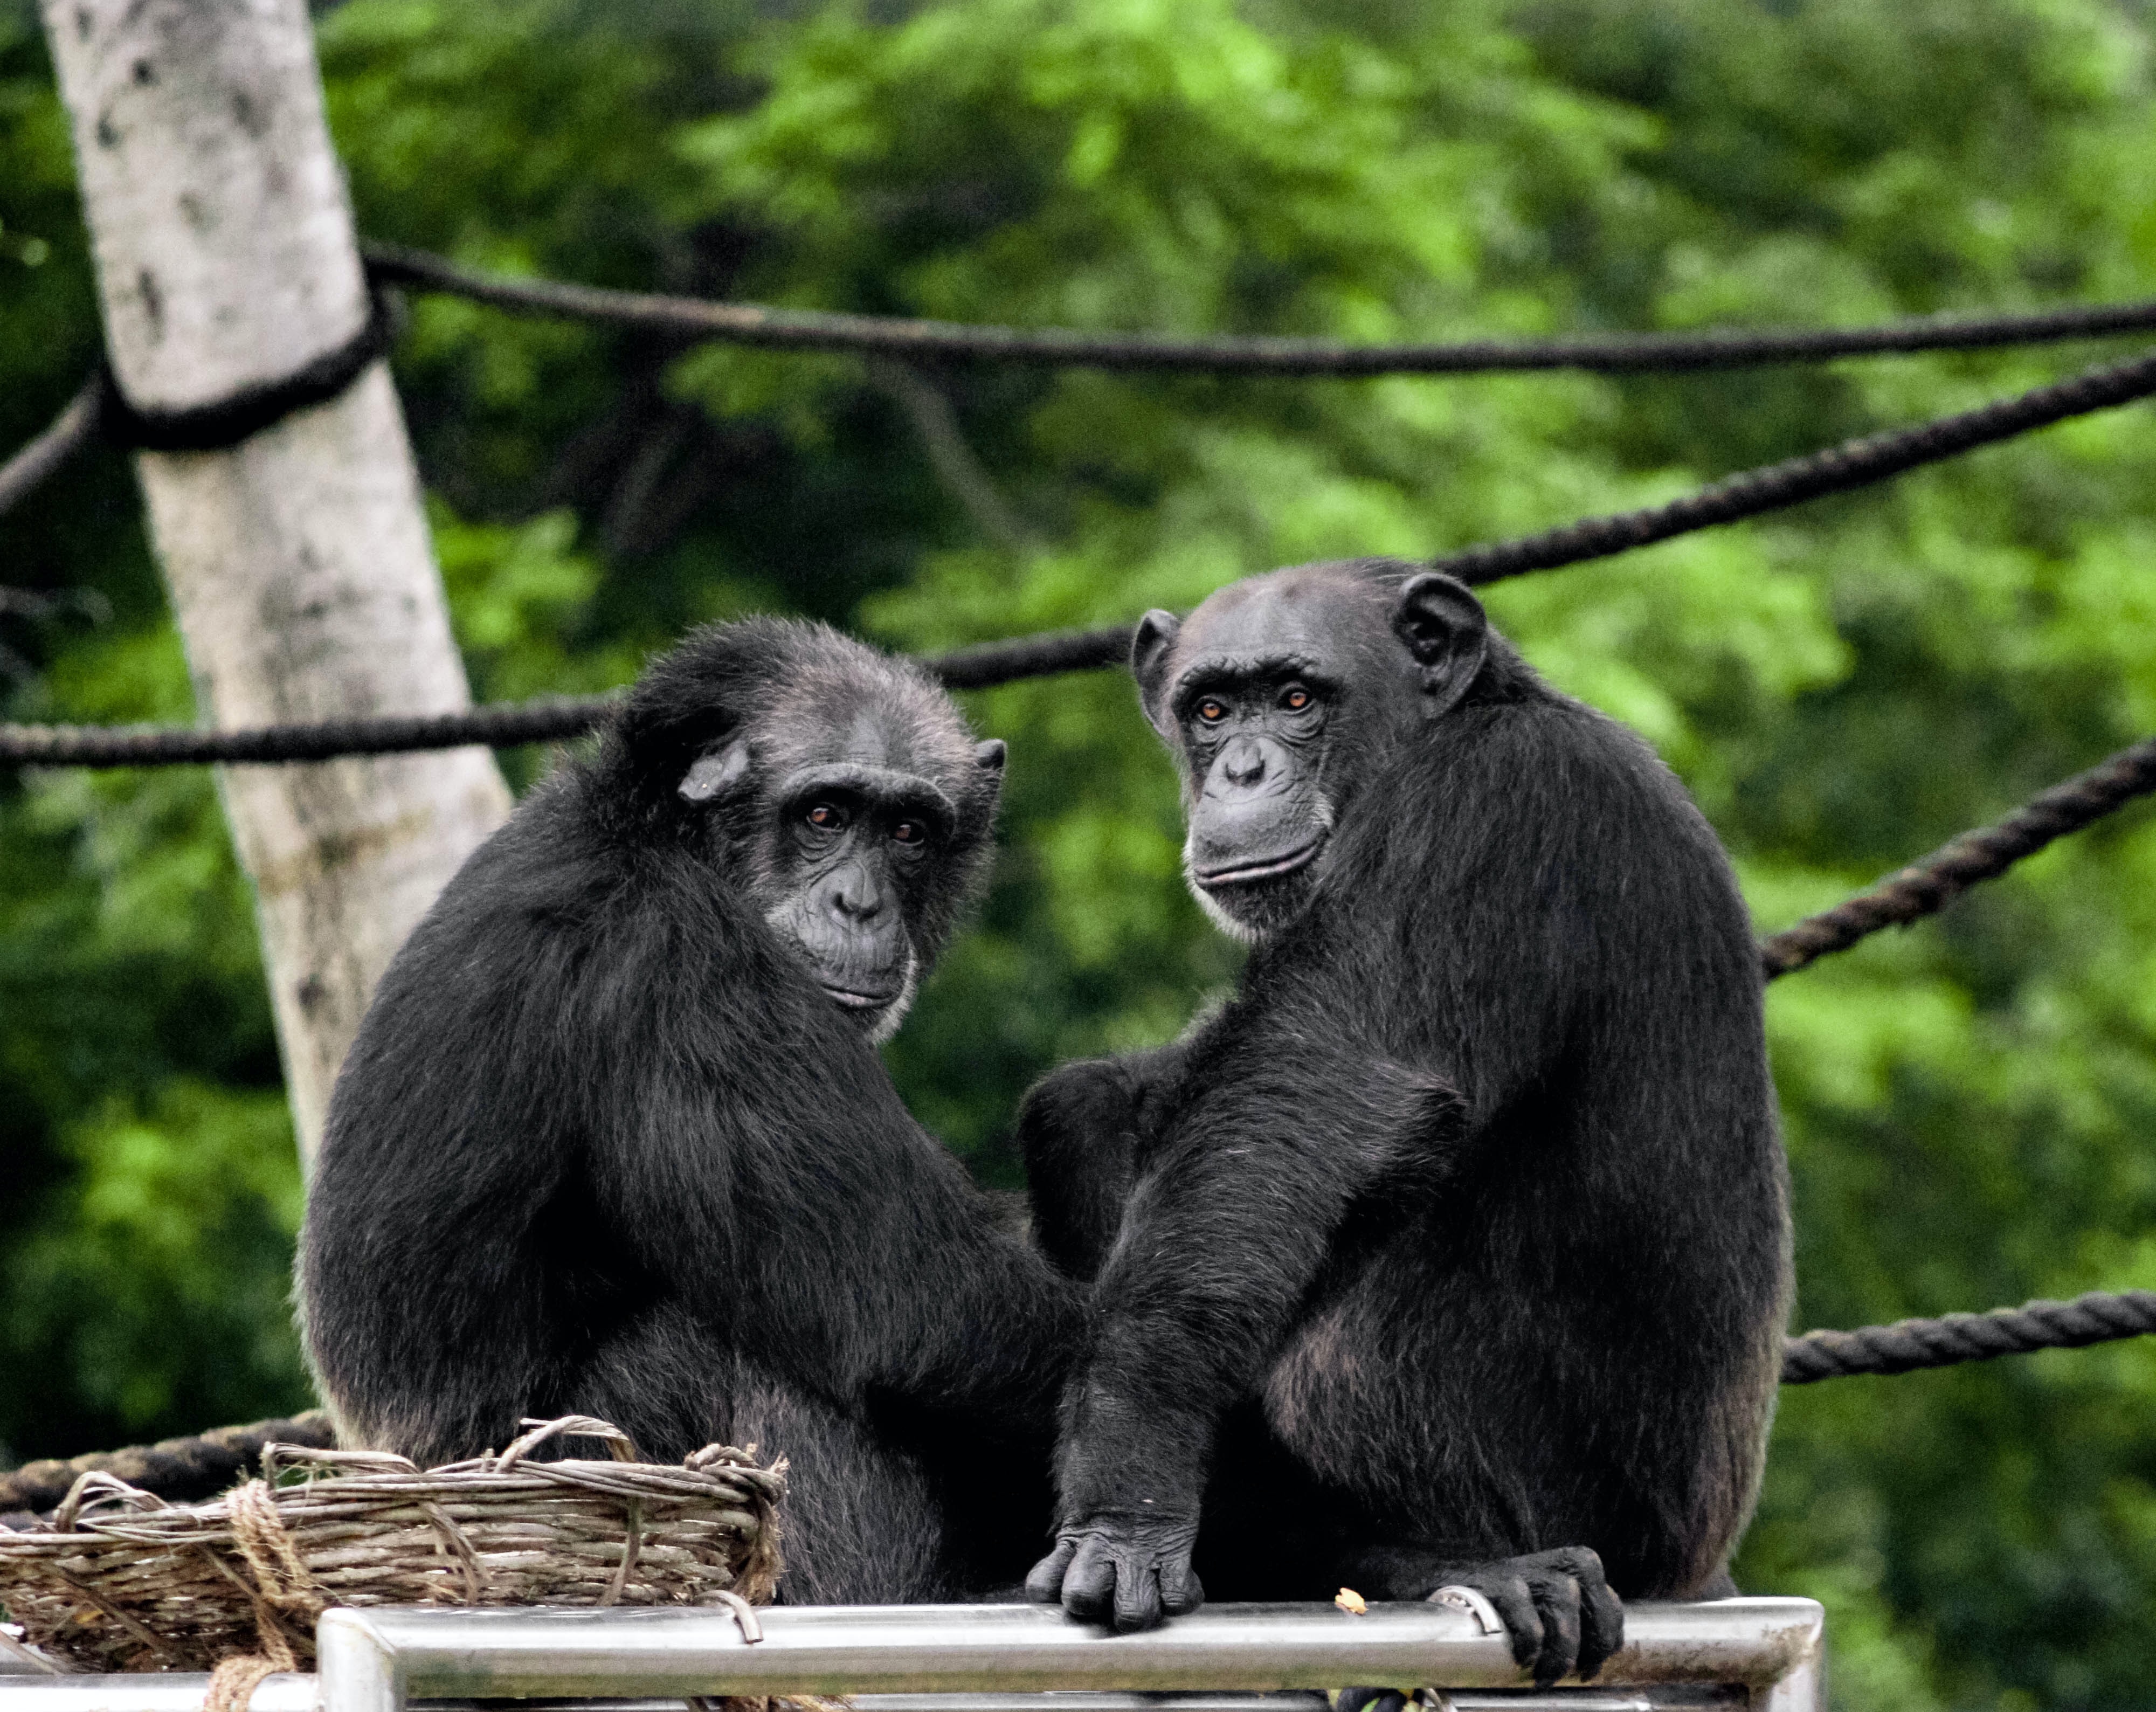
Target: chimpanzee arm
[
  {"x": 1221, "y": 1243},
  {"x": 789, "y": 1198},
  {"x": 1083, "y": 1129}
]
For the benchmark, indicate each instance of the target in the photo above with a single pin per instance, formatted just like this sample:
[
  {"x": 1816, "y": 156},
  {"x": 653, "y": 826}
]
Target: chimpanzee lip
[
  {"x": 1271, "y": 868},
  {"x": 854, "y": 1000}
]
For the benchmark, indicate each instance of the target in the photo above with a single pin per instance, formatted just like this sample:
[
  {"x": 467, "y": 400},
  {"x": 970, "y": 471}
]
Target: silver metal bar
[
  {"x": 181, "y": 1692},
  {"x": 1664, "y": 1699},
  {"x": 372, "y": 1661}
]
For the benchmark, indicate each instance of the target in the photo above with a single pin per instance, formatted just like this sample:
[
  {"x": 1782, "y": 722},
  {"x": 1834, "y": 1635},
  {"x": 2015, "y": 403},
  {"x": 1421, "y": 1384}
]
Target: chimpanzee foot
[
  {"x": 1557, "y": 1612},
  {"x": 1557, "y": 1608}
]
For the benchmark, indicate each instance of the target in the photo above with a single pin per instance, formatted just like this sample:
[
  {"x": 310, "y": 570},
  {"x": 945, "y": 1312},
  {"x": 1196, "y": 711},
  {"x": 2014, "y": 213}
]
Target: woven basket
[{"x": 119, "y": 1581}]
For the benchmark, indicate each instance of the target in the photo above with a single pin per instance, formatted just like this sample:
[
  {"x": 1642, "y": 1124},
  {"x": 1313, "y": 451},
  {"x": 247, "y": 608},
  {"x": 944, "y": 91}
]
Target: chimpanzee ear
[
  {"x": 1150, "y": 647},
  {"x": 989, "y": 756},
  {"x": 712, "y": 773},
  {"x": 1445, "y": 629}
]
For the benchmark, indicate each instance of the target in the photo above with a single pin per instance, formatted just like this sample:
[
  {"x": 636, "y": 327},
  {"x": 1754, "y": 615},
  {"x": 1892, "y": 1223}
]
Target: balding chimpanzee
[
  {"x": 1455, "y": 1249},
  {"x": 613, "y": 1139}
]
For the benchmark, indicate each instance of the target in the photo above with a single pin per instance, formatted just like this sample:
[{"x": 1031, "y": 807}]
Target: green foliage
[{"x": 1967, "y": 1104}]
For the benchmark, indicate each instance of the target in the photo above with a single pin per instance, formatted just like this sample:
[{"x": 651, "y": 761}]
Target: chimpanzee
[
  {"x": 613, "y": 1139},
  {"x": 1454, "y": 1248}
]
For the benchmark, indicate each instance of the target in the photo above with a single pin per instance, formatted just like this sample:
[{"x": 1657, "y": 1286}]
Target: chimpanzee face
[
  {"x": 847, "y": 835},
  {"x": 1278, "y": 695}
]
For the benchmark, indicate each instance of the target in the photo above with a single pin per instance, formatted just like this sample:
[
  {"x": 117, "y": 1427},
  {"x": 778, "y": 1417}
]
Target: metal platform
[{"x": 1762, "y": 1655}]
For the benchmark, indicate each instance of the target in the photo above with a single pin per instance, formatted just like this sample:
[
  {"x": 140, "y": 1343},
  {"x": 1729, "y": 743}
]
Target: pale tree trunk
[{"x": 299, "y": 563}]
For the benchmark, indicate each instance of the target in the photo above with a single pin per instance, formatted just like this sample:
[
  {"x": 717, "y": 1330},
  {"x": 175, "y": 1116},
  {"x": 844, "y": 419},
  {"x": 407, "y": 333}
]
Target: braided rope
[
  {"x": 943, "y": 341},
  {"x": 1926, "y": 887},
  {"x": 182, "y": 1468},
  {"x": 2100, "y": 1317},
  {"x": 1772, "y": 487},
  {"x": 1855, "y": 464},
  {"x": 549, "y": 719},
  {"x": 504, "y": 725},
  {"x": 101, "y": 410},
  {"x": 223, "y": 423}
]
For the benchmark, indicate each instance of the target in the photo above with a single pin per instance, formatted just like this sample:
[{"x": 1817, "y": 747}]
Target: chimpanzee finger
[
  {"x": 1181, "y": 1591},
  {"x": 1089, "y": 1583},
  {"x": 1516, "y": 1609},
  {"x": 1138, "y": 1591},
  {"x": 1601, "y": 1612},
  {"x": 1556, "y": 1603},
  {"x": 1043, "y": 1585}
]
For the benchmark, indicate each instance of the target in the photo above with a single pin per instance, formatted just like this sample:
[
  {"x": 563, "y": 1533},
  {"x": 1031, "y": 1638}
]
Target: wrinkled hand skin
[
  {"x": 1128, "y": 1571},
  {"x": 1559, "y": 1615}
]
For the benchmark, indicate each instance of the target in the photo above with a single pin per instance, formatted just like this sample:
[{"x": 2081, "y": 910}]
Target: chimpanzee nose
[
  {"x": 854, "y": 894},
  {"x": 1243, "y": 762}
]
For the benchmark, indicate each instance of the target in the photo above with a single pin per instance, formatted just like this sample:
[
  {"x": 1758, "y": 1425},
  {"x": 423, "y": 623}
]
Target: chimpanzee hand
[
  {"x": 1132, "y": 1571},
  {"x": 1556, "y": 1607}
]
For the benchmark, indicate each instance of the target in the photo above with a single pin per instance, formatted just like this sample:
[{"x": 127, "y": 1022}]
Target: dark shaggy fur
[
  {"x": 602, "y": 1145},
  {"x": 1459, "y": 1235}
]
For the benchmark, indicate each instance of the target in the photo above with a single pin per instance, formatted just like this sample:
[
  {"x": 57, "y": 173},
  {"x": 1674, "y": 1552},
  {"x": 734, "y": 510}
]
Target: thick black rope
[
  {"x": 226, "y": 422},
  {"x": 948, "y": 342},
  {"x": 197, "y": 1466},
  {"x": 1853, "y": 464},
  {"x": 101, "y": 411},
  {"x": 1925, "y": 887},
  {"x": 1856, "y": 464},
  {"x": 201, "y": 1466},
  {"x": 1907, "y": 1344},
  {"x": 504, "y": 725},
  {"x": 549, "y": 720},
  {"x": 1921, "y": 889}
]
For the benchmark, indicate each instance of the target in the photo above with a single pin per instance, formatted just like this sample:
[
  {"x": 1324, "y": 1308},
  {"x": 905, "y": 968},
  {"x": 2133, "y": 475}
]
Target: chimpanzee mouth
[
  {"x": 1271, "y": 868},
  {"x": 851, "y": 999}
]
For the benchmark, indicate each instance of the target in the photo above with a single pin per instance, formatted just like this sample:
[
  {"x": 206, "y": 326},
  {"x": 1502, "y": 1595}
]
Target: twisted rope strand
[
  {"x": 504, "y": 725},
  {"x": 2099, "y": 1317},
  {"x": 548, "y": 719},
  {"x": 1925, "y": 887},
  {"x": 1905, "y": 1346},
  {"x": 1772, "y": 487},
  {"x": 1856, "y": 463},
  {"x": 101, "y": 410},
  {"x": 945, "y": 342},
  {"x": 180, "y": 1468}
]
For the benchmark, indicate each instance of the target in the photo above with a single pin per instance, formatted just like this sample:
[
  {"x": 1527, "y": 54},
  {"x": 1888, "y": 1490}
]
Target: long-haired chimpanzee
[
  {"x": 613, "y": 1139},
  {"x": 1455, "y": 1249}
]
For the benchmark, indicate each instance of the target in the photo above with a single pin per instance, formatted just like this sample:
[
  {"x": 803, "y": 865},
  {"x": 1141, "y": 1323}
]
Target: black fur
[
  {"x": 603, "y": 1145},
  {"x": 1458, "y": 1240}
]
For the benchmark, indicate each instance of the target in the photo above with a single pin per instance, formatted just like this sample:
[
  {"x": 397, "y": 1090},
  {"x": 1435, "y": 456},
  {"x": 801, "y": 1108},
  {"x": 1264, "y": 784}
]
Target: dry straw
[{"x": 119, "y": 1581}]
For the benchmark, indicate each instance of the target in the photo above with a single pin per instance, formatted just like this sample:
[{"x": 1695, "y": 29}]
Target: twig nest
[{"x": 118, "y": 1579}]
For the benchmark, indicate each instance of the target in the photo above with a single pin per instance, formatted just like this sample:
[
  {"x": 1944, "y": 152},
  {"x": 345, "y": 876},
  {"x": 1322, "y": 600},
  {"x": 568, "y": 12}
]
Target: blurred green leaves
[{"x": 1969, "y": 1104}]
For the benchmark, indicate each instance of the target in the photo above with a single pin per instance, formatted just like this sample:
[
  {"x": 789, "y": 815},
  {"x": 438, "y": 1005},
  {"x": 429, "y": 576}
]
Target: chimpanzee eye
[
  {"x": 909, "y": 832},
  {"x": 1295, "y": 698},
  {"x": 1212, "y": 711},
  {"x": 827, "y": 817}
]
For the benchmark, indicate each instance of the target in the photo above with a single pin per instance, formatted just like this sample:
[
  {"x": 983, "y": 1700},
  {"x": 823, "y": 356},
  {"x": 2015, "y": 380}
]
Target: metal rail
[
  {"x": 377, "y": 1660},
  {"x": 1740, "y": 1655},
  {"x": 183, "y": 1693}
]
